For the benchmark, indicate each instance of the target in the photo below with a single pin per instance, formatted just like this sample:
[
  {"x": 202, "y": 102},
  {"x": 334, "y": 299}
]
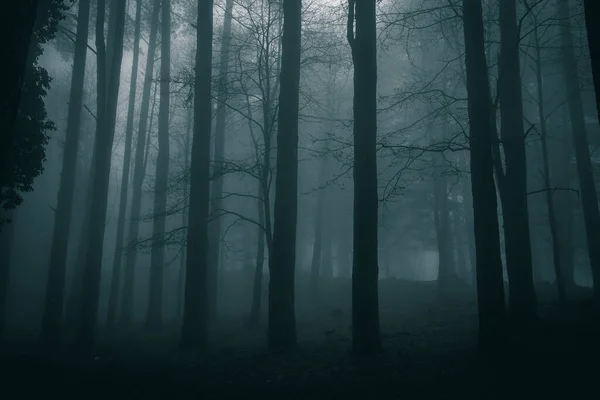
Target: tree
[
  {"x": 194, "y": 330},
  {"x": 218, "y": 160},
  {"x": 490, "y": 291},
  {"x": 592, "y": 16},
  {"x": 589, "y": 197},
  {"x": 365, "y": 302},
  {"x": 139, "y": 171},
  {"x": 282, "y": 318},
  {"x": 522, "y": 302},
  {"x": 154, "y": 316},
  {"x": 115, "y": 282},
  {"x": 55, "y": 283},
  {"x": 109, "y": 74}
]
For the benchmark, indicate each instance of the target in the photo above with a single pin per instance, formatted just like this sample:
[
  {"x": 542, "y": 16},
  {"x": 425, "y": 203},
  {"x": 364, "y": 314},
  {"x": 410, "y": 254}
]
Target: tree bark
[
  {"x": 522, "y": 301},
  {"x": 108, "y": 91},
  {"x": 139, "y": 171},
  {"x": 490, "y": 290},
  {"x": 194, "y": 331},
  {"x": 588, "y": 195},
  {"x": 365, "y": 301},
  {"x": 52, "y": 319},
  {"x": 115, "y": 283},
  {"x": 282, "y": 316}
]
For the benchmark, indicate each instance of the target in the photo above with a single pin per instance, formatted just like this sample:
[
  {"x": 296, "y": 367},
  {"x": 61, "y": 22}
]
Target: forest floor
[{"x": 429, "y": 352}]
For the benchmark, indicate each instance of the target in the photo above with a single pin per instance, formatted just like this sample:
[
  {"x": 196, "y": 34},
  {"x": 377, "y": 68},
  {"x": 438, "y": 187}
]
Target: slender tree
[
  {"x": 115, "y": 282},
  {"x": 362, "y": 39},
  {"x": 154, "y": 315},
  {"x": 194, "y": 330},
  {"x": 589, "y": 197},
  {"x": 218, "y": 160},
  {"x": 109, "y": 74},
  {"x": 139, "y": 171},
  {"x": 282, "y": 318},
  {"x": 490, "y": 291},
  {"x": 592, "y": 16},
  {"x": 55, "y": 284}
]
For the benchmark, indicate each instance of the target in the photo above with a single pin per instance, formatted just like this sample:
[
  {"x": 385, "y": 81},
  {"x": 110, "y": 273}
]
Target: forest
[{"x": 292, "y": 199}]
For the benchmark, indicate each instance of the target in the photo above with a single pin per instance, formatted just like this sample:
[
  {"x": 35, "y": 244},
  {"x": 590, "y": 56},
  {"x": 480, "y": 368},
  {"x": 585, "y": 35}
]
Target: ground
[{"x": 429, "y": 352}]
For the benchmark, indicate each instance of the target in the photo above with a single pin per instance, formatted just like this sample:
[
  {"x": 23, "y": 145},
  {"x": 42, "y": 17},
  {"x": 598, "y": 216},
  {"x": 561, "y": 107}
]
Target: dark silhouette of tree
[
  {"x": 109, "y": 74},
  {"x": 55, "y": 284},
  {"x": 490, "y": 291},
  {"x": 592, "y": 16},
  {"x": 194, "y": 330},
  {"x": 365, "y": 300},
  {"x": 282, "y": 316}
]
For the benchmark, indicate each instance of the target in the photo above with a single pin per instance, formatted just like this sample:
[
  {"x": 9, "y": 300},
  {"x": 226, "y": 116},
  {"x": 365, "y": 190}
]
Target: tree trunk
[
  {"x": 365, "y": 302},
  {"x": 522, "y": 302},
  {"x": 282, "y": 316},
  {"x": 18, "y": 18},
  {"x": 458, "y": 234},
  {"x": 214, "y": 233},
  {"x": 194, "y": 331},
  {"x": 108, "y": 91},
  {"x": 52, "y": 318},
  {"x": 260, "y": 260},
  {"x": 592, "y": 16},
  {"x": 468, "y": 209},
  {"x": 589, "y": 198},
  {"x": 315, "y": 267},
  {"x": 115, "y": 283},
  {"x": 446, "y": 268},
  {"x": 552, "y": 219},
  {"x": 490, "y": 290},
  {"x": 154, "y": 315},
  {"x": 139, "y": 170},
  {"x": 6, "y": 244}
]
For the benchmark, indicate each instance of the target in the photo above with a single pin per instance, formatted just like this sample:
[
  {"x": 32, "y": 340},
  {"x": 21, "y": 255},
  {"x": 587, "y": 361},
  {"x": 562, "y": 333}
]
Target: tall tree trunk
[
  {"x": 108, "y": 91},
  {"x": 184, "y": 213},
  {"x": 115, "y": 283},
  {"x": 315, "y": 267},
  {"x": 6, "y": 244},
  {"x": 260, "y": 260},
  {"x": 552, "y": 219},
  {"x": 458, "y": 234},
  {"x": 194, "y": 330},
  {"x": 490, "y": 290},
  {"x": 589, "y": 198},
  {"x": 365, "y": 301},
  {"x": 139, "y": 170},
  {"x": 468, "y": 209},
  {"x": 592, "y": 16},
  {"x": 18, "y": 18},
  {"x": 154, "y": 315},
  {"x": 446, "y": 269},
  {"x": 282, "y": 316},
  {"x": 55, "y": 284},
  {"x": 522, "y": 302},
  {"x": 214, "y": 233}
]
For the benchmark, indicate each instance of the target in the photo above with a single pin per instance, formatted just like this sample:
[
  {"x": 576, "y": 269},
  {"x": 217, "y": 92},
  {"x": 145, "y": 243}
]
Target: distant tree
[
  {"x": 282, "y": 260},
  {"x": 362, "y": 38},
  {"x": 592, "y": 16}
]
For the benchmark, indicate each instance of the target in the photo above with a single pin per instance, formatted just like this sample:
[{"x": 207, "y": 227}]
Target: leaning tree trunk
[
  {"x": 490, "y": 289},
  {"x": 139, "y": 170},
  {"x": 55, "y": 284},
  {"x": 194, "y": 330},
  {"x": 592, "y": 16},
  {"x": 522, "y": 302},
  {"x": 365, "y": 302},
  {"x": 214, "y": 234},
  {"x": 282, "y": 316},
  {"x": 154, "y": 315},
  {"x": 108, "y": 91},
  {"x": 18, "y": 18},
  {"x": 588, "y": 195},
  {"x": 115, "y": 283}
]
